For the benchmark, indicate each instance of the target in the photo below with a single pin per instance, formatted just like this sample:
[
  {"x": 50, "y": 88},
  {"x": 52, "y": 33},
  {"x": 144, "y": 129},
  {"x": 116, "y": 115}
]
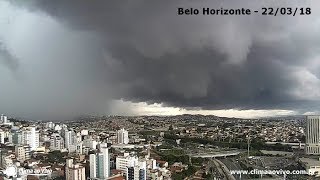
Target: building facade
[
  {"x": 74, "y": 171},
  {"x": 134, "y": 168},
  {"x": 2, "y": 137},
  {"x": 137, "y": 171},
  {"x": 15, "y": 137},
  {"x": 56, "y": 142},
  {"x": 312, "y": 135},
  {"x": 122, "y": 136},
  {"x": 4, "y": 120},
  {"x": 100, "y": 163},
  {"x": 23, "y": 152},
  {"x": 30, "y": 136}
]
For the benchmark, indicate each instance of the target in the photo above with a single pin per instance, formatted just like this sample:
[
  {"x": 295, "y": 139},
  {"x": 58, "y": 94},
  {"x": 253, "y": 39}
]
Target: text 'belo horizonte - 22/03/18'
[{"x": 209, "y": 11}]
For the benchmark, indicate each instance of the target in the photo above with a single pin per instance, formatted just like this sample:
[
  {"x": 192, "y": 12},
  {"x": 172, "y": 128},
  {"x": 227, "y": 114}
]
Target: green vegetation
[
  {"x": 59, "y": 178},
  {"x": 57, "y": 157},
  {"x": 186, "y": 173},
  {"x": 170, "y": 128},
  {"x": 254, "y": 153},
  {"x": 176, "y": 152},
  {"x": 197, "y": 161},
  {"x": 255, "y": 144},
  {"x": 208, "y": 176},
  {"x": 174, "y": 155},
  {"x": 149, "y": 133},
  {"x": 170, "y": 142}
]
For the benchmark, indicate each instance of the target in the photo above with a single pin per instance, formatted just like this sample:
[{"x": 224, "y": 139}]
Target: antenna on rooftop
[{"x": 248, "y": 142}]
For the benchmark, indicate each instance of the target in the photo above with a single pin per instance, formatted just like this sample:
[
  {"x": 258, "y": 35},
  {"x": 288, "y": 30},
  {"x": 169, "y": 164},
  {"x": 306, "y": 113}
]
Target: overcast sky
[{"x": 63, "y": 58}]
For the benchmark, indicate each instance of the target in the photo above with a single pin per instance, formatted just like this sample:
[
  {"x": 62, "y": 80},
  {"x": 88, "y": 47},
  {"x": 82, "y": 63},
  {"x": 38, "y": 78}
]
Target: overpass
[
  {"x": 300, "y": 145},
  {"x": 215, "y": 154}
]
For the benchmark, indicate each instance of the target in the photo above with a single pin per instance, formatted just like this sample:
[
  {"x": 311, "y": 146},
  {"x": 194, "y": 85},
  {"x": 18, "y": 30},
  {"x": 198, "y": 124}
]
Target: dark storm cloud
[
  {"x": 151, "y": 54},
  {"x": 204, "y": 79}
]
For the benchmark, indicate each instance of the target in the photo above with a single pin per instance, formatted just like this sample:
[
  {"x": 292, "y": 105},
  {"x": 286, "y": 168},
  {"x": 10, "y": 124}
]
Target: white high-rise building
[
  {"x": 134, "y": 167},
  {"x": 122, "y": 162},
  {"x": 15, "y": 137},
  {"x": 78, "y": 138},
  {"x": 84, "y": 132},
  {"x": 100, "y": 163},
  {"x": 122, "y": 136},
  {"x": 22, "y": 152},
  {"x": 106, "y": 159},
  {"x": 313, "y": 135},
  {"x": 74, "y": 171},
  {"x": 2, "y": 137},
  {"x": 93, "y": 165},
  {"x": 6, "y": 161},
  {"x": 3, "y": 119},
  {"x": 50, "y": 125},
  {"x": 57, "y": 127},
  {"x": 56, "y": 142},
  {"x": 79, "y": 147},
  {"x": 30, "y": 137},
  {"x": 70, "y": 140},
  {"x": 137, "y": 171},
  {"x": 91, "y": 143},
  {"x": 34, "y": 138}
]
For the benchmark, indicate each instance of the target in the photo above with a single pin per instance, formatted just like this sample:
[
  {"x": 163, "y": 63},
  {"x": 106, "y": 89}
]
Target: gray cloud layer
[
  {"x": 143, "y": 51},
  {"x": 7, "y": 59}
]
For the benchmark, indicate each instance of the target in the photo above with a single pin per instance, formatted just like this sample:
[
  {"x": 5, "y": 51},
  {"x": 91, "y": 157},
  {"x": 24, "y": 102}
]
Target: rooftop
[{"x": 310, "y": 162}]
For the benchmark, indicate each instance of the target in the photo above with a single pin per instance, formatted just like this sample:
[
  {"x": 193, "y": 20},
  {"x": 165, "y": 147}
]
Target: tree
[
  {"x": 171, "y": 128},
  {"x": 56, "y": 157}
]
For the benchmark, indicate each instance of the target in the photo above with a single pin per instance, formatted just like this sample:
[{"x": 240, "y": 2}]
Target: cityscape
[
  {"x": 161, "y": 147},
  {"x": 159, "y": 90}
]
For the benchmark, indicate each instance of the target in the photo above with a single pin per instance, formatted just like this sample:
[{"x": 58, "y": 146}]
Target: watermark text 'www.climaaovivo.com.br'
[{"x": 264, "y": 172}]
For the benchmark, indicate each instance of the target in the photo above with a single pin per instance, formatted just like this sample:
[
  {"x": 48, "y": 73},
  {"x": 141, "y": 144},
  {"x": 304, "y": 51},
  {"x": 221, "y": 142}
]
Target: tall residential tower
[
  {"x": 122, "y": 136},
  {"x": 313, "y": 135},
  {"x": 100, "y": 163}
]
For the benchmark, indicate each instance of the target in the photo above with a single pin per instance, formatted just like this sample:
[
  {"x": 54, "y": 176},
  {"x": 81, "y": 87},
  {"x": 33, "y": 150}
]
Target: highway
[
  {"x": 232, "y": 164},
  {"x": 216, "y": 154}
]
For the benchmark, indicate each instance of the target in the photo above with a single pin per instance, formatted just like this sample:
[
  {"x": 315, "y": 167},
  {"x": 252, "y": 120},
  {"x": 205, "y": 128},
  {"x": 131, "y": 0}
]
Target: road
[{"x": 232, "y": 164}]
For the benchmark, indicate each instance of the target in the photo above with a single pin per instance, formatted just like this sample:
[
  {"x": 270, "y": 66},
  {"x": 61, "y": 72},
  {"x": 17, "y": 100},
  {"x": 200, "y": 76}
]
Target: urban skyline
[
  {"x": 159, "y": 90},
  {"x": 160, "y": 147},
  {"x": 149, "y": 60}
]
